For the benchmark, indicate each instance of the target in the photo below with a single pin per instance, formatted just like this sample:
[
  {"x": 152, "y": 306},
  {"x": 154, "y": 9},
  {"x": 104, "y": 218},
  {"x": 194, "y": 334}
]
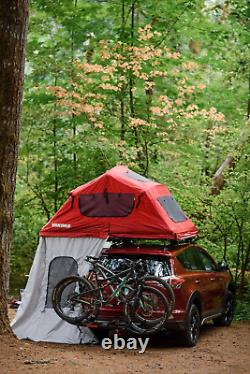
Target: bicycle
[{"x": 77, "y": 300}]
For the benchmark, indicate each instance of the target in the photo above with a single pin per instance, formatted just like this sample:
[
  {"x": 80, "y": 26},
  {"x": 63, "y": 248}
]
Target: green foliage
[
  {"x": 243, "y": 306},
  {"x": 60, "y": 151}
]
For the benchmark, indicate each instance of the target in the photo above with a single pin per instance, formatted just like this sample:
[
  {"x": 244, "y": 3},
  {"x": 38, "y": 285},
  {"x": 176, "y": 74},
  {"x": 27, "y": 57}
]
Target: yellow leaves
[
  {"x": 160, "y": 112},
  {"x": 104, "y": 78},
  {"x": 99, "y": 125},
  {"x": 215, "y": 130},
  {"x": 95, "y": 68},
  {"x": 189, "y": 89},
  {"x": 216, "y": 116},
  {"x": 105, "y": 55},
  {"x": 201, "y": 86},
  {"x": 164, "y": 99},
  {"x": 143, "y": 76},
  {"x": 145, "y": 33},
  {"x": 108, "y": 86},
  {"x": 156, "y": 111},
  {"x": 193, "y": 111},
  {"x": 94, "y": 96},
  {"x": 175, "y": 71},
  {"x": 178, "y": 102},
  {"x": 124, "y": 65},
  {"x": 174, "y": 55},
  {"x": 58, "y": 91},
  {"x": 145, "y": 53},
  {"x": 92, "y": 68},
  {"x": 149, "y": 85},
  {"x": 158, "y": 73},
  {"x": 119, "y": 56},
  {"x": 190, "y": 65},
  {"x": 124, "y": 69},
  {"x": 85, "y": 79},
  {"x": 192, "y": 107},
  {"x": 137, "y": 122}
]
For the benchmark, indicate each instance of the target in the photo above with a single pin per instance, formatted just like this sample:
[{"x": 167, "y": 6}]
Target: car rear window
[{"x": 153, "y": 265}]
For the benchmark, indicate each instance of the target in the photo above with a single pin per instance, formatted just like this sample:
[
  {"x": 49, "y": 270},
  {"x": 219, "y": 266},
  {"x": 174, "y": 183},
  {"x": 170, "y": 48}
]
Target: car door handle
[
  {"x": 212, "y": 279},
  {"x": 197, "y": 281}
]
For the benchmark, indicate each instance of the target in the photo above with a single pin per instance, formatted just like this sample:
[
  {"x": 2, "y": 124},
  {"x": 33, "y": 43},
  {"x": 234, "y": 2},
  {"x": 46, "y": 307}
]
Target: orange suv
[{"x": 204, "y": 290}]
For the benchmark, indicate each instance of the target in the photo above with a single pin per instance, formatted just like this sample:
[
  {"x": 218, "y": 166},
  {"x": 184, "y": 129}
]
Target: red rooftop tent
[{"x": 121, "y": 203}]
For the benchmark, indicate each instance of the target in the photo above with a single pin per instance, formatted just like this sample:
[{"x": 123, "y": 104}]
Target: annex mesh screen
[{"x": 59, "y": 268}]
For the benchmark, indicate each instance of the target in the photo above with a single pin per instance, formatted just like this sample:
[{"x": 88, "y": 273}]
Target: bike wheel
[
  {"x": 163, "y": 287},
  {"x": 75, "y": 300},
  {"x": 146, "y": 310}
]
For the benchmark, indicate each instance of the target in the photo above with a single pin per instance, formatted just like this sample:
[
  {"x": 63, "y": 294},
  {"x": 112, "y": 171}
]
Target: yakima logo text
[{"x": 62, "y": 225}]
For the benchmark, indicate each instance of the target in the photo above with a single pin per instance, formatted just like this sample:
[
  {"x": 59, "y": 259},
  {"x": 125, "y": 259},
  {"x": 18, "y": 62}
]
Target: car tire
[
  {"x": 227, "y": 317},
  {"x": 190, "y": 335}
]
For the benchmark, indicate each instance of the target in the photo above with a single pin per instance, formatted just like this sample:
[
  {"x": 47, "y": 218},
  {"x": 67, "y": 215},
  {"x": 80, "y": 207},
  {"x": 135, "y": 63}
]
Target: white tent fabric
[{"x": 34, "y": 320}]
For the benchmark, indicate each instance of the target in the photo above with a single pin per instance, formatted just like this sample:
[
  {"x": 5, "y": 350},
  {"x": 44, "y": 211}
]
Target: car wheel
[
  {"x": 190, "y": 335},
  {"x": 228, "y": 314}
]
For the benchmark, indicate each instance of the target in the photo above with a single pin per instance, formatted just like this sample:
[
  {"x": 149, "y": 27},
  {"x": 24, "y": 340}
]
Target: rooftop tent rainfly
[{"x": 121, "y": 203}]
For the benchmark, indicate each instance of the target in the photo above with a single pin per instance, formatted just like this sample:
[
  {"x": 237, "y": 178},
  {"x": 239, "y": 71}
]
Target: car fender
[{"x": 194, "y": 298}]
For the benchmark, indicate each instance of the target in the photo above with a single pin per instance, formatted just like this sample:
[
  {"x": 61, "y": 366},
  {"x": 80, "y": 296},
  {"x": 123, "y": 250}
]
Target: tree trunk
[
  {"x": 230, "y": 161},
  {"x": 13, "y": 30}
]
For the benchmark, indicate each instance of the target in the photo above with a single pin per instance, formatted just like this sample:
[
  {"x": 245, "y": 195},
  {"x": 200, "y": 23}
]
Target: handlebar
[{"x": 137, "y": 265}]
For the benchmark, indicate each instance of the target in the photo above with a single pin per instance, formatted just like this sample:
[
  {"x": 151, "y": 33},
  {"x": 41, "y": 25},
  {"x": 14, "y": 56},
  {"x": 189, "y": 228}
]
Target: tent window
[
  {"x": 172, "y": 208},
  {"x": 106, "y": 204},
  {"x": 59, "y": 268},
  {"x": 137, "y": 177}
]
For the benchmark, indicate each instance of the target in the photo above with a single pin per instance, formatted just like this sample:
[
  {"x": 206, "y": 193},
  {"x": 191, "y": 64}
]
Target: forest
[{"x": 160, "y": 86}]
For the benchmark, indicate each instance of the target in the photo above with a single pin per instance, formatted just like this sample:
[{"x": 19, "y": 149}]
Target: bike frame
[{"x": 110, "y": 280}]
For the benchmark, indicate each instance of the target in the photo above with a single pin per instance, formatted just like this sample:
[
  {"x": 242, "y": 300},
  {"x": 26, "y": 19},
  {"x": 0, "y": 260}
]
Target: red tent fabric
[{"x": 121, "y": 203}]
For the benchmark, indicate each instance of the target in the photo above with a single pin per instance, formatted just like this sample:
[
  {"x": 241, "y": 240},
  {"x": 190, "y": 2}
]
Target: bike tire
[
  {"x": 161, "y": 283},
  {"x": 75, "y": 300},
  {"x": 146, "y": 310}
]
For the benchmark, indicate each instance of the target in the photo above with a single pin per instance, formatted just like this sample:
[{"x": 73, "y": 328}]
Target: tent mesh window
[
  {"x": 59, "y": 268},
  {"x": 172, "y": 208},
  {"x": 137, "y": 177},
  {"x": 106, "y": 204}
]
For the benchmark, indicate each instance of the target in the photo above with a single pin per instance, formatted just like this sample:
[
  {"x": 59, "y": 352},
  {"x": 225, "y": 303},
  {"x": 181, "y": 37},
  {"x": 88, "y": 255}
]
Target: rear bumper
[{"x": 120, "y": 324}]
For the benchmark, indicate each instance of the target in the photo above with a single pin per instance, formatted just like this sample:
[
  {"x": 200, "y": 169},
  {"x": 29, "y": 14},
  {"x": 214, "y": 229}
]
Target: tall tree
[{"x": 13, "y": 30}]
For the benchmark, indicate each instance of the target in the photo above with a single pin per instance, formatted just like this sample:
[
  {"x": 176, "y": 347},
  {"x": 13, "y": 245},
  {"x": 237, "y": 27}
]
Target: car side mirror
[{"x": 222, "y": 266}]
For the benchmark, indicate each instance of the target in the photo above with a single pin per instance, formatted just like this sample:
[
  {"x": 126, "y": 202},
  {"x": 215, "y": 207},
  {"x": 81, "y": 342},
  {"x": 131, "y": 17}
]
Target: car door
[
  {"x": 217, "y": 281},
  {"x": 197, "y": 279}
]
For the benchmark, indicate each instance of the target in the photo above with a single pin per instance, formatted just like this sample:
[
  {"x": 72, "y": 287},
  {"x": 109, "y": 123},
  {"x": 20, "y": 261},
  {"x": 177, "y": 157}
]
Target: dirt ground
[{"x": 219, "y": 350}]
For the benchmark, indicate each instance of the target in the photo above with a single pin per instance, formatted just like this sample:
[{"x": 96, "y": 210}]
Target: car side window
[
  {"x": 190, "y": 259},
  {"x": 195, "y": 259},
  {"x": 208, "y": 263}
]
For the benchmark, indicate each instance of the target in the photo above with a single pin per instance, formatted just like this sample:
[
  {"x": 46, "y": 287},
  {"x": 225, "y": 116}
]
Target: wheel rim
[
  {"x": 72, "y": 306},
  {"x": 146, "y": 312},
  {"x": 194, "y": 326}
]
